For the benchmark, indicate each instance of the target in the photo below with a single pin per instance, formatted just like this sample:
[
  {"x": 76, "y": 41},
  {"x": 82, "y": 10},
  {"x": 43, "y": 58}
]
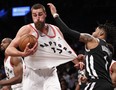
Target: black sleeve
[{"x": 65, "y": 29}]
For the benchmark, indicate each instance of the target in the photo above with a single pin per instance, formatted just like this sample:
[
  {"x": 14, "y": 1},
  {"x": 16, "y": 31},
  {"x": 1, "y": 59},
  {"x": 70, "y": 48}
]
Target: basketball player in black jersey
[{"x": 98, "y": 55}]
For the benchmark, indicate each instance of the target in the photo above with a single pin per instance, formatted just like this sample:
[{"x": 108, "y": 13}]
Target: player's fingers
[
  {"x": 50, "y": 4},
  {"x": 81, "y": 64},
  {"x": 52, "y": 8},
  {"x": 76, "y": 66},
  {"x": 36, "y": 45},
  {"x": 34, "y": 49}
]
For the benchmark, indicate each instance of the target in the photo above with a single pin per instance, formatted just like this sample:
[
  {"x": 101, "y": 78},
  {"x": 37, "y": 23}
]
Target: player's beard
[
  {"x": 39, "y": 25},
  {"x": 2, "y": 48}
]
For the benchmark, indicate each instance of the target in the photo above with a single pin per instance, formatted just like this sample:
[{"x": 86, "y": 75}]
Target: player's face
[
  {"x": 98, "y": 32},
  {"x": 38, "y": 16},
  {"x": 4, "y": 44}
]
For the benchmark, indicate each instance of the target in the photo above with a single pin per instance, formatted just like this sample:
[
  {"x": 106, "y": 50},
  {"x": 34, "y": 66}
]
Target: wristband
[{"x": 55, "y": 15}]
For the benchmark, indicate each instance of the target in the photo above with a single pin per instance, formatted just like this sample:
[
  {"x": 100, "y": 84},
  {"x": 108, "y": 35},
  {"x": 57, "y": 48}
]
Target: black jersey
[{"x": 98, "y": 61}]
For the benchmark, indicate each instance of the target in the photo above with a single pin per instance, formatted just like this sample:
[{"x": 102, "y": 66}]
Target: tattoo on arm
[{"x": 84, "y": 37}]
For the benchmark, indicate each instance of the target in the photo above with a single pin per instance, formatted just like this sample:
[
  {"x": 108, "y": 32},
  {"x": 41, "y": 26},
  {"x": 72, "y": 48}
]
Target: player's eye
[{"x": 40, "y": 14}]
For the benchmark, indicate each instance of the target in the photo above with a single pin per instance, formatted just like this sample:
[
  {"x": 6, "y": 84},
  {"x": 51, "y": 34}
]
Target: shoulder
[
  {"x": 26, "y": 27},
  {"x": 54, "y": 26},
  {"x": 57, "y": 29},
  {"x": 24, "y": 30}
]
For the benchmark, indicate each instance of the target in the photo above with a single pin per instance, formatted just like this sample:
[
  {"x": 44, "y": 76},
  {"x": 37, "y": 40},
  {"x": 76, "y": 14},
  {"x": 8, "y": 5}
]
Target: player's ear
[{"x": 45, "y": 14}]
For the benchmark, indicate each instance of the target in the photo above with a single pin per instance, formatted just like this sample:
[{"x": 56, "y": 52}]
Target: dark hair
[
  {"x": 8, "y": 39},
  {"x": 38, "y": 6},
  {"x": 110, "y": 31}
]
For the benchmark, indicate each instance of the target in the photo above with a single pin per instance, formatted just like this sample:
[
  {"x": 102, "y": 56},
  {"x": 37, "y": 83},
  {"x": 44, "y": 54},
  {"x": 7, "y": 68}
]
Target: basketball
[{"x": 25, "y": 39}]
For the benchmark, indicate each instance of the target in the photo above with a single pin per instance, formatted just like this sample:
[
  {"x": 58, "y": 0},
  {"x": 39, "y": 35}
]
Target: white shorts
[{"x": 42, "y": 79}]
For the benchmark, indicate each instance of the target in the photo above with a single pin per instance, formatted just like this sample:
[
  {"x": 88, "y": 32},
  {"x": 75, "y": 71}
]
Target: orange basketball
[{"x": 25, "y": 39}]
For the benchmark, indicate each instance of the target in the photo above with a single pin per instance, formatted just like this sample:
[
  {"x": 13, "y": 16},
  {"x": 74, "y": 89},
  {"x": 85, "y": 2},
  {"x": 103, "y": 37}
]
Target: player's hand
[
  {"x": 29, "y": 51},
  {"x": 5, "y": 88},
  {"x": 84, "y": 79},
  {"x": 52, "y": 8},
  {"x": 81, "y": 57},
  {"x": 79, "y": 65}
]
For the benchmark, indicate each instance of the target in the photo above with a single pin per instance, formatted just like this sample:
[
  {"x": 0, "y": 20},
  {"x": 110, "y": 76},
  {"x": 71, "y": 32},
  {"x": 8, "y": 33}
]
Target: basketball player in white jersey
[
  {"x": 13, "y": 69},
  {"x": 50, "y": 51}
]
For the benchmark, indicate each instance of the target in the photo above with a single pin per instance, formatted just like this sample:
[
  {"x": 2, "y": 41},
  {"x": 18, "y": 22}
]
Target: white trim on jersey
[
  {"x": 90, "y": 86},
  {"x": 106, "y": 64},
  {"x": 87, "y": 66},
  {"x": 90, "y": 68}
]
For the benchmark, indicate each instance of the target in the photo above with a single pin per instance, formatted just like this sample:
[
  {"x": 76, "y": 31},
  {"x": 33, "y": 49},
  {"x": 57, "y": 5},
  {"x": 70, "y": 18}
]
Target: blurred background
[{"x": 81, "y": 15}]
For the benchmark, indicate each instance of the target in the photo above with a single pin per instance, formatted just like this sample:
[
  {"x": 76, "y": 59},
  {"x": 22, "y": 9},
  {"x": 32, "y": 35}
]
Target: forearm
[
  {"x": 11, "y": 51},
  {"x": 11, "y": 81},
  {"x": 65, "y": 29}
]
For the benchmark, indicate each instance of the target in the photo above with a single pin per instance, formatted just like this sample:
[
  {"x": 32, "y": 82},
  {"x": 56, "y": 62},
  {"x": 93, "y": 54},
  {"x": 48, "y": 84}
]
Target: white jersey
[
  {"x": 52, "y": 50},
  {"x": 10, "y": 73}
]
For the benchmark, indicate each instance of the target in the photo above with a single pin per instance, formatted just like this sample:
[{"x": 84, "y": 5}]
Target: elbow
[{"x": 18, "y": 80}]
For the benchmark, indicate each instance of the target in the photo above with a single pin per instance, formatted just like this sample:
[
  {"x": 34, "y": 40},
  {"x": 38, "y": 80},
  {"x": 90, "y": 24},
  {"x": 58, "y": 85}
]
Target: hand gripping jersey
[
  {"x": 52, "y": 50},
  {"x": 10, "y": 73}
]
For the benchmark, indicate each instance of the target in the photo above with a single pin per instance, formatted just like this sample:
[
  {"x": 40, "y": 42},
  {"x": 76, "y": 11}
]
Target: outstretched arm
[
  {"x": 63, "y": 27},
  {"x": 83, "y": 37}
]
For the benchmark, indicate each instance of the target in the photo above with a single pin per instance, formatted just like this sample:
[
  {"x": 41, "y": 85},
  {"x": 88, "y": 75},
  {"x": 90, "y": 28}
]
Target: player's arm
[
  {"x": 113, "y": 74},
  {"x": 83, "y": 37},
  {"x": 18, "y": 71},
  {"x": 12, "y": 48},
  {"x": 77, "y": 87}
]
